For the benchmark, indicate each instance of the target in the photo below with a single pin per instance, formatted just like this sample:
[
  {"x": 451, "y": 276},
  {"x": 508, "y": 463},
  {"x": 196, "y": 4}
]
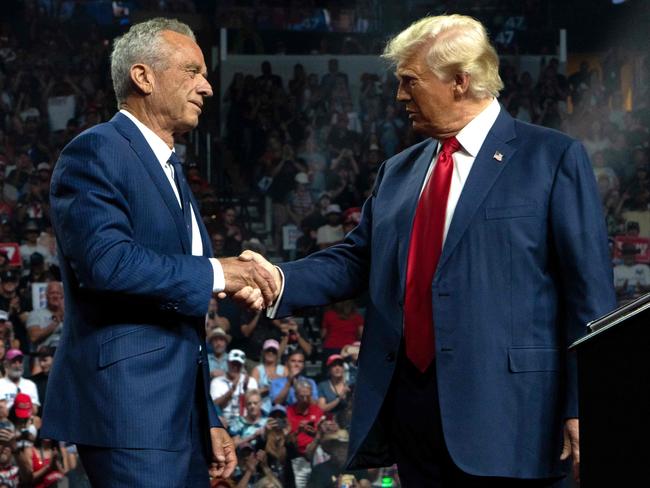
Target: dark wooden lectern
[{"x": 614, "y": 395}]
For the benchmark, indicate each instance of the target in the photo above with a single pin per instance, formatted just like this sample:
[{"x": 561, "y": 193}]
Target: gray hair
[
  {"x": 302, "y": 383},
  {"x": 456, "y": 44},
  {"x": 143, "y": 43}
]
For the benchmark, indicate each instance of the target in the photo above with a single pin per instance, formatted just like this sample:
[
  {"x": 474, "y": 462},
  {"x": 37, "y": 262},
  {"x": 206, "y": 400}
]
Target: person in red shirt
[
  {"x": 341, "y": 325},
  {"x": 303, "y": 416},
  {"x": 47, "y": 466}
]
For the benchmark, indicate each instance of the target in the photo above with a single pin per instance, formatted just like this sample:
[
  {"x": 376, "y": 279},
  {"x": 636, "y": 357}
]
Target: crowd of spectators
[
  {"x": 313, "y": 15},
  {"x": 312, "y": 148}
]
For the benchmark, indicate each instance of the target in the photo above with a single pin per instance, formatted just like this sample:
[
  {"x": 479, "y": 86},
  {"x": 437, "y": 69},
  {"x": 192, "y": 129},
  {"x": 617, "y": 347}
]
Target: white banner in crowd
[
  {"x": 60, "y": 110},
  {"x": 38, "y": 295}
]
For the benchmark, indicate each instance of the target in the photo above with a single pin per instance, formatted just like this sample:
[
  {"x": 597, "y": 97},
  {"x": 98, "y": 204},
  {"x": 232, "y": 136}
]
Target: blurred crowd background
[{"x": 281, "y": 164}]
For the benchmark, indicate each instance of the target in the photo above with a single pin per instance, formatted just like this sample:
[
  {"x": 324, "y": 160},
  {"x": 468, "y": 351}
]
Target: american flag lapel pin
[{"x": 498, "y": 156}]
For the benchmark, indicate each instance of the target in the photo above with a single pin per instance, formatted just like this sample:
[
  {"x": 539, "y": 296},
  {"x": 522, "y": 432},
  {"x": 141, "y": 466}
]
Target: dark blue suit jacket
[
  {"x": 524, "y": 267},
  {"x": 135, "y": 298}
]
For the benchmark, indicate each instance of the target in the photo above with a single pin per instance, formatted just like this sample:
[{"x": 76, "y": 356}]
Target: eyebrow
[
  {"x": 407, "y": 73},
  {"x": 195, "y": 67}
]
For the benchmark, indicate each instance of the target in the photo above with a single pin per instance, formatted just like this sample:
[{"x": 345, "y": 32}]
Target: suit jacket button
[{"x": 390, "y": 357}]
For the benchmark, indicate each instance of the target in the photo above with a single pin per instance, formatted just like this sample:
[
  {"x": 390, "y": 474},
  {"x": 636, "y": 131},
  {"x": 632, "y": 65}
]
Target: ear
[
  {"x": 142, "y": 78},
  {"x": 461, "y": 84}
]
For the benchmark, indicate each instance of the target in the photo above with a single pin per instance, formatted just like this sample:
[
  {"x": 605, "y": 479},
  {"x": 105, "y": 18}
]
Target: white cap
[
  {"x": 333, "y": 208},
  {"x": 237, "y": 356},
  {"x": 301, "y": 178}
]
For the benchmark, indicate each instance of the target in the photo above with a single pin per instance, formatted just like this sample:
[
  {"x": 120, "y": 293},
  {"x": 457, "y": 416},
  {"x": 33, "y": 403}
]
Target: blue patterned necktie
[{"x": 183, "y": 192}]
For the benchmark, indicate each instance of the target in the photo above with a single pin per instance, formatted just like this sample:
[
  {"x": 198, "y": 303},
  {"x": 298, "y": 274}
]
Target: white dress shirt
[
  {"x": 162, "y": 152},
  {"x": 471, "y": 138}
]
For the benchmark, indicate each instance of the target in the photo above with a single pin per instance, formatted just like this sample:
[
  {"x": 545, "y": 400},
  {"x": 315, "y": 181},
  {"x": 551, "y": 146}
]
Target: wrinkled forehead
[
  {"x": 414, "y": 60},
  {"x": 184, "y": 50}
]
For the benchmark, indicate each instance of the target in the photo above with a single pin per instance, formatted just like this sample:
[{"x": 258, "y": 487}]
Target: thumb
[
  {"x": 566, "y": 447},
  {"x": 247, "y": 255}
]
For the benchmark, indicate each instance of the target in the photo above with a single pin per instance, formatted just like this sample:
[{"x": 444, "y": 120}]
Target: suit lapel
[
  {"x": 412, "y": 187},
  {"x": 139, "y": 145},
  {"x": 492, "y": 158}
]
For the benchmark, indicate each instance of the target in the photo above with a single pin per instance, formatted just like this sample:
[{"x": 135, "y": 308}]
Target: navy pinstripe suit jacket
[
  {"x": 524, "y": 267},
  {"x": 135, "y": 298}
]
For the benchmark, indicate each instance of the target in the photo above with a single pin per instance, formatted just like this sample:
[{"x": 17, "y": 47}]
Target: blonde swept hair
[{"x": 458, "y": 44}]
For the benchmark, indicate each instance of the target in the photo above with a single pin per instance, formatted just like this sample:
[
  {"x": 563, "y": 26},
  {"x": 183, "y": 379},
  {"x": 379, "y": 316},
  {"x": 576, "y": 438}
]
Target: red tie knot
[{"x": 450, "y": 146}]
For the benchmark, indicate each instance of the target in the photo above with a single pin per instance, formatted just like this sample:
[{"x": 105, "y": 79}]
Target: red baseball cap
[
  {"x": 23, "y": 406},
  {"x": 333, "y": 358},
  {"x": 352, "y": 215}
]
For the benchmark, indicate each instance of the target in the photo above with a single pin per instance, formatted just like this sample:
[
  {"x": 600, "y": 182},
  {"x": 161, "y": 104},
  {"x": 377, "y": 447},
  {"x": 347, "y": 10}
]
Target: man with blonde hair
[{"x": 484, "y": 254}]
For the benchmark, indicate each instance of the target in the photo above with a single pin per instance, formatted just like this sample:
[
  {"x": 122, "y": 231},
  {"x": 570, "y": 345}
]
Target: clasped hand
[{"x": 251, "y": 280}]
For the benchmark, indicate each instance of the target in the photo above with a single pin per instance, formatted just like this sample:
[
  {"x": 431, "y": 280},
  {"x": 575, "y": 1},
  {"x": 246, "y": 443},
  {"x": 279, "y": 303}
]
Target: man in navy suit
[
  {"x": 484, "y": 253},
  {"x": 130, "y": 378}
]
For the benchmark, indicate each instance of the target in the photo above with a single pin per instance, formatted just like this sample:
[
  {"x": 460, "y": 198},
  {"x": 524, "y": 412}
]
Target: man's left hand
[
  {"x": 572, "y": 445},
  {"x": 223, "y": 452}
]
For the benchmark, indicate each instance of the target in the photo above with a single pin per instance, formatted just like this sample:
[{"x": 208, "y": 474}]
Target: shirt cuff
[
  {"x": 219, "y": 282},
  {"x": 272, "y": 310}
]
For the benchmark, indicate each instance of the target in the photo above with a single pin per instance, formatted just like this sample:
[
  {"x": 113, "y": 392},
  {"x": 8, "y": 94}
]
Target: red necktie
[{"x": 424, "y": 253}]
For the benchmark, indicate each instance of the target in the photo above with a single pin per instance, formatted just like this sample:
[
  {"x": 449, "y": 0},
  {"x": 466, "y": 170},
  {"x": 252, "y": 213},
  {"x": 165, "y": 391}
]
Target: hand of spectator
[
  {"x": 55, "y": 461},
  {"x": 251, "y": 463},
  {"x": 308, "y": 428},
  {"x": 6, "y": 436},
  {"x": 270, "y": 425},
  {"x": 292, "y": 375},
  {"x": 261, "y": 456},
  {"x": 14, "y": 304},
  {"x": 224, "y": 459},
  {"x": 270, "y": 269},
  {"x": 292, "y": 326},
  {"x": 247, "y": 278}
]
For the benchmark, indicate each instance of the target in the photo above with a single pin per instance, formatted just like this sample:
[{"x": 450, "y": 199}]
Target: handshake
[{"x": 251, "y": 280}]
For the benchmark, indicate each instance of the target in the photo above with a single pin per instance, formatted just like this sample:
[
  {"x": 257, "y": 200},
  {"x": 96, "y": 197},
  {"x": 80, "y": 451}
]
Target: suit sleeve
[
  {"x": 90, "y": 213},
  {"x": 579, "y": 239},
  {"x": 333, "y": 274}
]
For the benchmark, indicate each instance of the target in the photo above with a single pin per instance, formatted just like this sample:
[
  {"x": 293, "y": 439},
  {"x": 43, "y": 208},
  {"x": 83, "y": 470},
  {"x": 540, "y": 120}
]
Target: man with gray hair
[
  {"x": 484, "y": 254},
  {"x": 138, "y": 275},
  {"x": 304, "y": 415}
]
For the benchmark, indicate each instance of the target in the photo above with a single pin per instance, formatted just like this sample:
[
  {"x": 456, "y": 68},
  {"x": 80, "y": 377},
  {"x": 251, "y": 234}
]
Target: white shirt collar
[
  {"x": 472, "y": 136},
  {"x": 159, "y": 147}
]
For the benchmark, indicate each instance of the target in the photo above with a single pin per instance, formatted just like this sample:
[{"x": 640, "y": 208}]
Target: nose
[
  {"x": 402, "y": 93},
  {"x": 204, "y": 88}
]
